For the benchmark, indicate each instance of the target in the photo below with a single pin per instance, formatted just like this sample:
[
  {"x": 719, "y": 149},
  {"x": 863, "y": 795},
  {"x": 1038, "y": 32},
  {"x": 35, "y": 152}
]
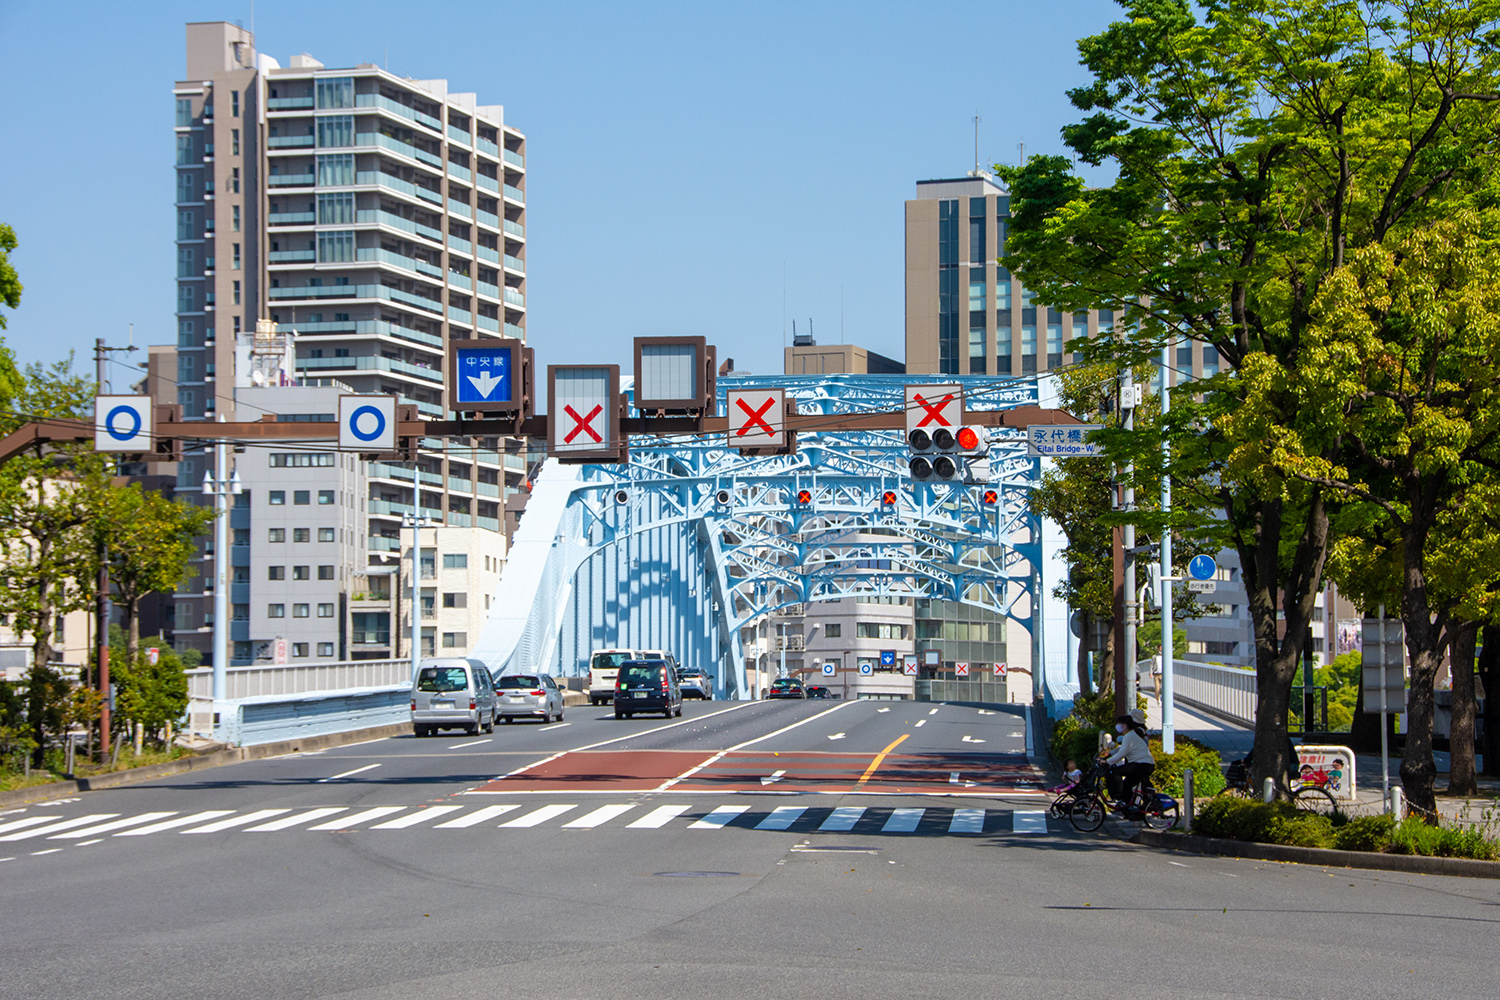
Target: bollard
[
  {"x": 1397, "y": 804},
  {"x": 1187, "y": 800},
  {"x": 1268, "y": 791}
]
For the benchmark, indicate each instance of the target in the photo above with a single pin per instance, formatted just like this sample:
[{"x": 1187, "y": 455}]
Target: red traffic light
[
  {"x": 888, "y": 498},
  {"x": 804, "y": 496},
  {"x": 991, "y": 496},
  {"x": 967, "y": 438}
]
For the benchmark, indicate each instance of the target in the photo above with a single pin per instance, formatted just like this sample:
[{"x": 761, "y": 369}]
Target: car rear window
[
  {"x": 608, "y": 661},
  {"x": 510, "y": 681},
  {"x": 441, "y": 679},
  {"x": 642, "y": 673}
]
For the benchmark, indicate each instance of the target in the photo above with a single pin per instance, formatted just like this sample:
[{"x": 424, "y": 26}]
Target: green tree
[
  {"x": 1257, "y": 146},
  {"x": 155, "y": 695},
  {"x": 10, "y": 281}
]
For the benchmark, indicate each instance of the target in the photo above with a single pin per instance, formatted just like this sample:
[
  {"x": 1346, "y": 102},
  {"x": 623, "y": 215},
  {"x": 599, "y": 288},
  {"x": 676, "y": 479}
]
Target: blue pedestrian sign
[
  {"x": 367, "y": 423},
  {"x": 484, "y": 374},
  {"x": 1202, "y": 568},
  {"x": 887, "y": 658}
]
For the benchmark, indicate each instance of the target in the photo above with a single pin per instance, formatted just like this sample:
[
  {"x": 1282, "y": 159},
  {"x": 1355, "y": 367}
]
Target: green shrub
[
  {"x": 1297, "y": 828},
  {"x": 1075, "y": 739},
  {"x": 1413, "y": 836},
  {"x": 1208, "y": 773},
  {"x": 1236, "y": 818},
  {"x": 1364, "y": 833}
]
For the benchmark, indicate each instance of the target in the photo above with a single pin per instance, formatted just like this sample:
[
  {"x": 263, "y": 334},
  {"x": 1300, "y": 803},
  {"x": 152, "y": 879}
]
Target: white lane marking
[
  {"x": 536, "y": 816},
  {"x": 86, "y": 843},
  {"x": 287, "y": 822},
  {"x": 599, "y": 816},
  {"x": 774, "y": 777},
  {"x": 985, "y": 711},
  {"x": 970, "y": 739},
  {"x": 1028, "y": 821},
  {"x": 967, "y": 821},
  {"x": 781, "y": 817},
  {"x": 1179, "y": 864},
  {"x": 420, "y": 816},
  {"x": 903, "y": 820},
  {"x": 1226, "y": 873},
  {"x": 345, "y": 822},
  {"x": 920, "y": 724},
  {"x": 933, "y": 712},
  {"x": 739, "y": 746},
  {"x": 56, "y": 827},
  {"x": 346, "y": 774},
  {"x": 843, "y": 818},
  {"x": 1015, "y": 735},
  {"x": 717, "y": 819},
  {"x": 556, "y": 725},
  {"x": 172, "y": 824},
  {"x": 378, "y": 739},
  {"x": 786, "y": 729},
  {"x": 952, "y": 777},
  {"x": 234, "y": 821},
  {"x": 658, "y": 817},
  {"x": 837, "y": 736},
  {"x": 7, "y": 859},
  {"x": 879, "y": 710},
  {"x": 475, "y": 818},
  {"x": 50, "y": 850},
  {"x": 118, "y": 824},
  {"x": 471, "y": 743},
  {"x": 21, "y": 824},
  {"x": 56, "y": 802}
]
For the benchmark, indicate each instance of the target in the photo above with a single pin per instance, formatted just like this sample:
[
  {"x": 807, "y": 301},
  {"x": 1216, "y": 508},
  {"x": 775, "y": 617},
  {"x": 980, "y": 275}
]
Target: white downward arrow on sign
[
  {"x": 485, "y": 382},
  {"x": 775, "y": 777},
  {"x": 970, "y": 739},
  {"x": 836, "y": 736}
]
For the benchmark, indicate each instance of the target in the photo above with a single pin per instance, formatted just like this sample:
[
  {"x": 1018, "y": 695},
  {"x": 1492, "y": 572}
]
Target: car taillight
[
  {"x": 539, "y": 691},
  {"x": 473, "y": 704},
  {"x": 414, "y": 704}
]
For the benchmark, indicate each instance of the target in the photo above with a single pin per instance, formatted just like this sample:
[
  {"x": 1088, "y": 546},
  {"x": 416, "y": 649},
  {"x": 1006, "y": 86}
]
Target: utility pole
[
  {"x": 101, "y": 600},
  {"x": 415, "y": 522},
  {"x": 1168, "y": 720},
  {"x": 1124, "y": 570}
]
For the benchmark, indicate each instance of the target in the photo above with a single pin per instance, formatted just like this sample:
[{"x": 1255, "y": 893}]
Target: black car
[
  {"x": 787, "y": 687},
  {"x": 819, "y": 691},
  {"x": 647, "y": 686}
]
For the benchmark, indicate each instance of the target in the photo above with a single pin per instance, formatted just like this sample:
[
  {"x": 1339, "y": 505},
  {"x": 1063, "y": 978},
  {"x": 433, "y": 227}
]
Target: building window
[
  {"x": 302, "y": 497},
  {"x": 301, "y": 573},
  {"x": 234, "y": 147},
  {"x": 335, "y": 169},
  {"x": 186, "y": 225},
  {"x": 236, "y": 324},
  {"x": 302, "y": 460},
  {"x": 429, "y": 564},
  {"x": 1210, "y": 361},
  {"x": 325, "y": 649},
  {"x": 977, "y": 346},
  {"x": 455, "y": 640},
  {"x": 325, "y": 572},
  {"x": 325, "y": 497},
  {"x": 236, "y": 262},
  {"x": 234, "y": 180},
  {"x": 325, "y": 535},
  {"x": 336, "y": 247},
  {"x": 275, "y": 610},
  {"x": 336, "y": 130},
  {"x": 184, "y": 186},
  {"x": 275, "y": 572},
  {"x": 1054, "y": 342},
  {"x": 833, "y": 630},
  {"x": 455, "y": 600},
  {"x": 184, "y": 150},
  {"x": 325, "y": 610},
  {"x": 879, "y": 630},
  {"x": 187, "y": 335},
  {"x": 976, "y": 230},
  {"x": 242, "y": 612},
  {"x": 301, "y": 610},
  {"x": 184, "y": 111},
  {"x": 1002, "y": 348},
  {"x": 236, "y": 293},
  {"x": 301, "y": 534},
  {"x": 276, "y": 535},
  {"x": 1028, "y": 348},
  {"x": 1002, "y": 294},
  {"x": 429, "y": 642},
  {"x": 235, "y": 221},
  {"x": 234, "y": 103},
  {"x": 976, "y": 289},
  {"x": 335, "y": 92},
  {"x": 299, "y": 649},
  {"x": 455, "y": 560},
  {"x": 187, "y": 366},
  {"x": 336, "y": 208}
]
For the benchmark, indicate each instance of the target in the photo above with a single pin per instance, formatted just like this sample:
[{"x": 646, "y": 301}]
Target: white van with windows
[{"x": 604, "y": 667}]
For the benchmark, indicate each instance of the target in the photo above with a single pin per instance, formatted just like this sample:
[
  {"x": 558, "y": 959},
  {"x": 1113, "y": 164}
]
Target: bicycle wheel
[
  {"x": 1088, "y": 814},
  {"x": 1311, "y": 798},
  {"x": 1159, "y": 817}
]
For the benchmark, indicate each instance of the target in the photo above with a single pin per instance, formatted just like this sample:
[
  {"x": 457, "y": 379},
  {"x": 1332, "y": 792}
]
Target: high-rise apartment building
[{"x": 371, "y": 218}]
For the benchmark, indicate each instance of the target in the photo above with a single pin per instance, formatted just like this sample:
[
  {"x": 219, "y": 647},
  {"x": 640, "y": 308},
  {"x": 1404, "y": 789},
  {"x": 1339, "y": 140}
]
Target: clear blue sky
[{"x": 690, "y": 166}]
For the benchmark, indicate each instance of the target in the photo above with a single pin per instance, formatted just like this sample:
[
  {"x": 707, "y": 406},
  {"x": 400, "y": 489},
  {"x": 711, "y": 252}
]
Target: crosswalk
[{"x": 565, "y": 816}]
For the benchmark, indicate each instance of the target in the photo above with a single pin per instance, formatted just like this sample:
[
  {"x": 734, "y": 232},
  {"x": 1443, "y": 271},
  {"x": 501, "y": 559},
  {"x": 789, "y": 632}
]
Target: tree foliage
[{"x": 10, "y": 281}]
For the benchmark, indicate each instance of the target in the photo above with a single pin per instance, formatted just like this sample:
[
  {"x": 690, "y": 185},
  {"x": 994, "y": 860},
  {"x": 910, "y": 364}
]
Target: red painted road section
[{"x": 751, "y": 771}]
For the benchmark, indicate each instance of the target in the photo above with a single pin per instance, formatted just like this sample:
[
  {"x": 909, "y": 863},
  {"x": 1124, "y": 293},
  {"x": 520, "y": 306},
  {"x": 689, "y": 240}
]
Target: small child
[{"x": 1071, "y": 777}]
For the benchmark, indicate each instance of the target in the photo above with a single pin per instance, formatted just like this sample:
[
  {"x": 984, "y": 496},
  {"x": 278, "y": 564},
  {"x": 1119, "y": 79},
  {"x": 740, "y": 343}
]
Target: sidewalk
[{"x": 1234, "y": 742}]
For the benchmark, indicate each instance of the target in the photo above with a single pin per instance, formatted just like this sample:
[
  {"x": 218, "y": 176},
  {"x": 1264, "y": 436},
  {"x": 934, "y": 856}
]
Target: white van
[
  {"x": 451, "y": 692},
  {"x": 604, "y": 667}
]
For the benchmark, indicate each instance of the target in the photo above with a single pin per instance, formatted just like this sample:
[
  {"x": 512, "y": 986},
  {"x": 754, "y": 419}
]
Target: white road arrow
[
  {"x": 485, "y": 382},
  {"x": 970, "y": 739},
  {"x": 775, "y": 777},
  {"x": 952, "y": 777},
  {"x": 836, "y": 736},
  {"x": 882, "y": 710},
  {"x": 985, "y": 711}
]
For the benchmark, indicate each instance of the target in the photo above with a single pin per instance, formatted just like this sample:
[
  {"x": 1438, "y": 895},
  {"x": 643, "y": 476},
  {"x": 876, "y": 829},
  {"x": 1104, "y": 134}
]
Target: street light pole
[
  {"x": 226, "y": 485},
  {"x": 415, "y": 522},
  {"x": 1168, "y": 719}
]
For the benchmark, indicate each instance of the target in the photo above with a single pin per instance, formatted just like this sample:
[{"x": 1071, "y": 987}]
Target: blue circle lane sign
[
  {"x": 866, "y": 668},
  {"x": 122, "y": 423},
  {"x": 367, "y": 423},
  {"x": 1202, "y": 568},
  {"x": 828, "y": 669}
]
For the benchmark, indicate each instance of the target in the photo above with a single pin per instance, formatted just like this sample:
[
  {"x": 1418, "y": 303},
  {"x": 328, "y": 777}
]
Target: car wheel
[
  {"x": 489, "y": 727},
  {"x": 505, "y": 719},
  {"x": 619, "y": 715}
]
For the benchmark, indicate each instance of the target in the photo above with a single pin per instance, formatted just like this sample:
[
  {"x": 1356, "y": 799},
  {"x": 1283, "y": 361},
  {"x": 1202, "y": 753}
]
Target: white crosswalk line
[
  {"x": 475, "y": 818},
  {"x": 119, "y": 824},
  {"x": 67, "y": 824},
  {"x": 1029, "y": 821},
  {"x": 903, "y": 820},
  {"x": 599, "y": 816},
  {"x": 717, "y": 819},
  {"x": 420, "y": 816},
  {"x": 29, "y": 821},
  {"x": 354, "y": 819},
  {"x": 287, "y": 822},
  {"x": 172, "y": 824},
  {"x": 541, "y": 815},
  {"x": 843, "y": 818},
  {"x": 234, "y": 821},
  {"x": 967, "y": 821},
  {"x": 658, "y": 817},
  {"x": 781, "y": 817}
]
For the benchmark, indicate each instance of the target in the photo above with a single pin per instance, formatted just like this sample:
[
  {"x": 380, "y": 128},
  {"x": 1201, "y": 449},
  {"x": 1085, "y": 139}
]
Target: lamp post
[
  {"x": 221, "y": 489},
  {"x": 415, "y": 522}
]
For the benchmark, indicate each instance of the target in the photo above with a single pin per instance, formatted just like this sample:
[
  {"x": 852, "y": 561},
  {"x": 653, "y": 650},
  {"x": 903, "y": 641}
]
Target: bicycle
[
  {"x": 1146, "y": 805},
  {"x": 1307, "y": 797}
]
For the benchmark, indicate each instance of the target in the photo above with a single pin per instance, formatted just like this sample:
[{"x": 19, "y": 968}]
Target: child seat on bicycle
[{"x": 1131, "y": 763}]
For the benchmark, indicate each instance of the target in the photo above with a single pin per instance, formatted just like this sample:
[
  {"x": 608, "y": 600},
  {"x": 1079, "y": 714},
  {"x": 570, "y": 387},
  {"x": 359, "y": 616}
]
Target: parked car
[
  {"x": 818, "y": 691},
  {"x": 696, "y": 683},
  {"x": 787, "y": 687},
  {"x": 451, "y": 692},
  {"x": 603, "y": 666},
  {"x": 524, "y": 696},
  {"x": 647, "y": 686}
]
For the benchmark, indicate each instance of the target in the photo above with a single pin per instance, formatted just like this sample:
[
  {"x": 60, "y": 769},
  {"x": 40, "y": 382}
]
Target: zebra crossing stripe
[
  {"x": 364, "y": 816},
  {"x": 842, "y": 819},
  {"x": 658, "y": 817},
  {"x": 538, "y": 816},
  {"x": 903, "y": 820},
  {"x": 476, "y": 817},
  {"x": 599, "y": 816},
  {"x": 719, "y": 818},
  {"x": 67, "y": 824},
  {"x": 967, "y": 821},
  {"x": 1029, "y": 821},
  {"x": 172, "y": 824},
  {"x": 288, "y": 822},
  {"x": 781, "y": 817},
  {"x": 234, "y": 821},
  {"x": 23, "y": 823},
  {"x": 119, "y": 824},
  {"x": 420, "y": 816}
]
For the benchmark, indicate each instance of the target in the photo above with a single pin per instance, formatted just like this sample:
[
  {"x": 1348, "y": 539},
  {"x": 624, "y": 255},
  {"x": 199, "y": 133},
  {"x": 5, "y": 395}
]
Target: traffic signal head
[
  {"x": 804, "y": 497},
  {"x": 722, "y": 498},
  {"x": 942, "y": 439},
  {"x": 967, "y": 439},
  {"x": 919, "y": 440},
  {"x": 991, "y": 497},
  {"x": 888, "y": 498}
]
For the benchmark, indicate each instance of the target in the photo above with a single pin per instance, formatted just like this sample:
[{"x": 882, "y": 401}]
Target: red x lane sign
[
  {"x": 757, "y": 418},
  {"x": 584, "y": 420},
  {"x": 960, "y": 669},
  {"x": 999, "y": 670},
  {"x": 932, "y": 406}
]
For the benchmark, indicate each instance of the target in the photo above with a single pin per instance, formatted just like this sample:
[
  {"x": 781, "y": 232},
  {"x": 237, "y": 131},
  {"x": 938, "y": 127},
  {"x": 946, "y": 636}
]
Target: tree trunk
[
  {"x": 1427, "y": 636},
  {"x": 39, "y": 688},
  {"x": 132, "y": 628},
  {"x": 1461, "y": 778},
  {"x": 1085, "y": 681},
  {"x": 1364, "y": 734},
  {"x": 1488, "y": 669},
  {"x": 1107, "y": 664}
]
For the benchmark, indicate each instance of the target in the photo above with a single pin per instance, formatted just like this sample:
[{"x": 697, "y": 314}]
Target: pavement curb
[
  {"x": 1414, "y": 864},
  {"x": 216, "y": 758}
]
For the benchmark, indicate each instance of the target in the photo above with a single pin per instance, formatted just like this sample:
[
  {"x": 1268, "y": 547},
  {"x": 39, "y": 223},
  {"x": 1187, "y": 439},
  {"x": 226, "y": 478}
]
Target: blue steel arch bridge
[{"x": 691, "y": 541}]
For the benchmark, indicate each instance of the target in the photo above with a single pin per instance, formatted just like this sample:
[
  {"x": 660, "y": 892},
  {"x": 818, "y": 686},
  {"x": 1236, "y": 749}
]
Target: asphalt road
[{"x": 899, "y": 852}]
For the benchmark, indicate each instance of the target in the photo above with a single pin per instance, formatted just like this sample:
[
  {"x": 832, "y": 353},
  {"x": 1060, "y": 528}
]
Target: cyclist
[{"x": 1131, "y": 762}]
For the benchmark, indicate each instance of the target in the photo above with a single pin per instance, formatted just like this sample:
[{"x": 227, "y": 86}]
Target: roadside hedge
[{"x": 1235, "y": 818}]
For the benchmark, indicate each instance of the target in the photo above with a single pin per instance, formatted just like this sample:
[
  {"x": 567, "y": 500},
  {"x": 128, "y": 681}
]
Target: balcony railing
[
  {"x": 515, "y": 229},
  {"x": 396, "y": 108},
  {"x": 515, "y": 194},
  {"x": 385, "y": 180},
  {"x": 459, "y": 135},
  {"x": 292, "y": 180},
  {"x": 485, "y": 146},
  {"x": 513, "y": 158},
  {"x": 291, "y": 218},
  {"x": 489, "y": 323},
  {"x": 515, "y": 263},
  {"x": 460, "y": 208},
  {"x": 488, "y": 183},
  {"x": 383, "y": 218},
  {"x": 489, "y": 219},
  {"x": 290, "y": 141},
  {"x": 366, "y": 362},
  {"x": 462, "y": 173},
  {"x": 514, "y": 297},
  {"x": 289, "y": 103},
  {"x": 485, "y": 253}
]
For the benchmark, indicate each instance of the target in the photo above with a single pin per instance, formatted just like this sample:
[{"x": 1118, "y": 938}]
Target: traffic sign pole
[{"x": 1168, "y": 716}]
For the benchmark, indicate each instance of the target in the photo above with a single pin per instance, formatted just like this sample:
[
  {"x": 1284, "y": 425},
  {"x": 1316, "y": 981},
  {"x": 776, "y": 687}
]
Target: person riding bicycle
[{"x": 1131, "y": 763}]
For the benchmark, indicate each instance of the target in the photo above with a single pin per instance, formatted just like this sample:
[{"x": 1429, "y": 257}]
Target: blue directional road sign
[
  {"x": 483, "y": 374},
  {"x": 122, "y": 423},
  {"x": 367, "y": 423},
  {"x": 1202, "y": 568}
]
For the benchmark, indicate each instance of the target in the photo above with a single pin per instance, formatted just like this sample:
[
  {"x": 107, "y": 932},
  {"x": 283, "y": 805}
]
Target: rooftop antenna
[
  {"x": 1020, "y": 154},
  {"x": 976, "y": 143}
]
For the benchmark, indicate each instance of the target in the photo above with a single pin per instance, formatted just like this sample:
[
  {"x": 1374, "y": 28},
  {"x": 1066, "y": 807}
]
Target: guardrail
[
  {"x": 1226, "y": 692},
  {"x": 271, "y": 702}
]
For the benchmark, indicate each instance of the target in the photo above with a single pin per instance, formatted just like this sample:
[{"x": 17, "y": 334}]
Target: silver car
[
  {"x": 533, "y": 696},
  {"x": 451, "y": 692}
]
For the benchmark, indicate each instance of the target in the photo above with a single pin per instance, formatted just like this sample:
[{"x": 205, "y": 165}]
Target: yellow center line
[{"x": 878, "y": 758}]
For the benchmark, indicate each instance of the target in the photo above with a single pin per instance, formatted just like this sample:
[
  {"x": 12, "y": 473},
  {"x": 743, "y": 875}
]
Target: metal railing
[
  {"x": 299, "y": 678},
  {"x": 1227, "y": 692}
]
